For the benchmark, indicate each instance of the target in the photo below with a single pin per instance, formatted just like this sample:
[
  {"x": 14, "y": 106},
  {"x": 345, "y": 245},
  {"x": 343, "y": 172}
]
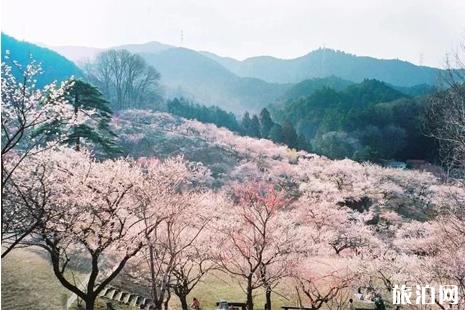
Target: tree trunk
[
  {"x": 249, "y": 294},
  {"x": 167, "y": 300},
  {"x": 90, "y": 303},
  {"x": 268, "y": 298},
  {"x": 76, "y": 110},
  {"x": 183, "y": 300}
]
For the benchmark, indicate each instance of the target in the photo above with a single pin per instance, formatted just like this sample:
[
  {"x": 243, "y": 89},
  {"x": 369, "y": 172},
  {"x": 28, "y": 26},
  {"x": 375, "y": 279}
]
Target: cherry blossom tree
[
  {"x": 24, "y": 109},
  {"x": 90, "y": 211},
  {"x": 191, "y": 246},
  {"x": 322, "y": 281},
  {"x": 257, "y": 238},
  {"x": 171, "y": 215}
]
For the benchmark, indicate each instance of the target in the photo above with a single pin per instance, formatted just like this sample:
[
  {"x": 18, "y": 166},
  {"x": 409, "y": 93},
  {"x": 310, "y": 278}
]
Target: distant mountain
[
  {"x": 188, "y": 73},
  {"x": 149, "y": 47},
  {"x": 191, "y": 74},
  {"x": 55, "y": 66},
  {"x": 327, "y": 62},
  {"x": 259, "y": 81}
]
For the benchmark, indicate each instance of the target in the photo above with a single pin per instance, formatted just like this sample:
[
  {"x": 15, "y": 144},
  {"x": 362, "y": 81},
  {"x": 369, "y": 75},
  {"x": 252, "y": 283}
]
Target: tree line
[{"x": 256, "y": 126}]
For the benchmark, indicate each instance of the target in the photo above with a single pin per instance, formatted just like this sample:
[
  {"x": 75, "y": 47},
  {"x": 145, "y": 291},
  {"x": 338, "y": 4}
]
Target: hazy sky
[{"x": 414, "y": 30}]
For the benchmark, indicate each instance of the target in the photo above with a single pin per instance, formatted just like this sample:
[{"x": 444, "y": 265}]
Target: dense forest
[{"x": 366, "y": 121}]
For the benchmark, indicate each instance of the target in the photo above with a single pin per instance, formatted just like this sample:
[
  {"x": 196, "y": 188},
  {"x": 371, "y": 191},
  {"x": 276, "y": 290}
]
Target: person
[
  {"x": 195, "y": 304},
  {"x": 351, "y": 304}
]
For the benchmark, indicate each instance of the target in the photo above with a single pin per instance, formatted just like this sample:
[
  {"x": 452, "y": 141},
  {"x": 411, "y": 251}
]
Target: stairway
[{"x": 116, "y": 294}]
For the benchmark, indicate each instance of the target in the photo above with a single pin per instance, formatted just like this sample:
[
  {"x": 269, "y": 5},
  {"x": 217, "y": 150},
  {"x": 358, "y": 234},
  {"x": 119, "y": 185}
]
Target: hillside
[
  {"x": 323, "y": 98},
  {"x": 55, "y": 67},
  {"x": 366, "y": 121},
  {"x": 187, "y": 73},
  {"x": 28, "y": 282},
  {"x": 327, "y": 62},
  {"x": 233, "y": 157},
  {"x": 308, "y": 87},
  {"x": 360, "y": 190}
]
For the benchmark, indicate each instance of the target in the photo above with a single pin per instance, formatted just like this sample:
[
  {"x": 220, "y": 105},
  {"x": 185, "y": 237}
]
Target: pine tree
[
  {"x": 289, "y": 134},
  {"x": 246, "y": 124},
  {"x": 266, "y": 123},
  {"x": 87, "y": 103},
  {"x": 302, "y": 143},
  {"x": 255, "y": 127},
  {"x": 276, "y": 133}
]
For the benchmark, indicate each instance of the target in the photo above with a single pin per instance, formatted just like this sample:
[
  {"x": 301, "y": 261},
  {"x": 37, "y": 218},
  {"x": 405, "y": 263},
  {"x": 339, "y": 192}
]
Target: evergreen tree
[
  {"x": 302, "y": 143},
  {"x": 276, "y": 133},
  {"x": 266, "y": 123},
  {"x": 87, "y": 103},
  {"x": 255, "y": 127},
  {"x": 289, "y": 134},
  {"x": 246, "y": 124}
]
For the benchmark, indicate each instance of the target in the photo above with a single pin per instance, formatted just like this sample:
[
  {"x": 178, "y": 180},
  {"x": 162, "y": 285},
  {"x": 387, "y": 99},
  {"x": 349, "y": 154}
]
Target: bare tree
[
  {"x": 445, "y": 115},
  {"x": 445, "y": 121},
  {"x": 125, "y": 79}
]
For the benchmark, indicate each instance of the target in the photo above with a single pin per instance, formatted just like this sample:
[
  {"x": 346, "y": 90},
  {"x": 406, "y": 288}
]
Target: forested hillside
[
  {"x": 54, "y": 66},
  {"x": 366, "y": 121}
]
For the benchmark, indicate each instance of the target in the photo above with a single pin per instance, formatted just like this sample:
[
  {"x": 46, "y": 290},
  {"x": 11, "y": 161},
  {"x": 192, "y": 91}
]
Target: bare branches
[{"x": 125, "y": 79}]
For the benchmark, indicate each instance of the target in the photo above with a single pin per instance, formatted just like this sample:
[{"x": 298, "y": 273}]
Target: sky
[{"x": 419, "y": 31}]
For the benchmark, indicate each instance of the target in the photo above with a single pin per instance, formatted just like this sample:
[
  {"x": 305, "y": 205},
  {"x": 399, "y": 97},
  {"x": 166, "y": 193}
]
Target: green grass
[
  {"x": 219, "y": 286},
  {"x": 28, "y": 282},
  {"x": 102, "y": 305}
]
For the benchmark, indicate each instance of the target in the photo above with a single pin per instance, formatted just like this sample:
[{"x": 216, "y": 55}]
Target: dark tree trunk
[
  {"x": 249, "y": 294},
  {"x": 183, "y": 300},
  {"x": 90, "y": 303},
  {"x": 167, "y": 300},
  {"x": 76, "y": 110},
  {"x": 268, "y": 298}
]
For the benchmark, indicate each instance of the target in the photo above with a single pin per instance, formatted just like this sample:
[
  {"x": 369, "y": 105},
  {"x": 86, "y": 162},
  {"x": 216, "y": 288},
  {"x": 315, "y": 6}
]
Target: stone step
[{"x": 114, "y": 293}]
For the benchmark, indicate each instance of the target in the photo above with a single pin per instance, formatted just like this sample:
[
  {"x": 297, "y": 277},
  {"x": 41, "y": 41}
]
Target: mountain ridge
[{"x": 319, "y": 63}]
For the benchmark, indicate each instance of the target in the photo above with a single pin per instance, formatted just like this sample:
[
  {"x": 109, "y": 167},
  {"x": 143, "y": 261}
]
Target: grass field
[{"x": 28, "y": 283}]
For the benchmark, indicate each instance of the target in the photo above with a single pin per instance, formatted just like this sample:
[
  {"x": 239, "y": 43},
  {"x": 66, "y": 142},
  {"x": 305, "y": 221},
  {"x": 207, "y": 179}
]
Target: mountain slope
[
  {"x": 308, "y": 87},
  {"x": 188, "y": 73},
  {"x": 259, "y": 81},
  {"x": 327, "y": 62},
  {"x": 55, "y": 67},
  {"x": 191, "y": 74}
]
